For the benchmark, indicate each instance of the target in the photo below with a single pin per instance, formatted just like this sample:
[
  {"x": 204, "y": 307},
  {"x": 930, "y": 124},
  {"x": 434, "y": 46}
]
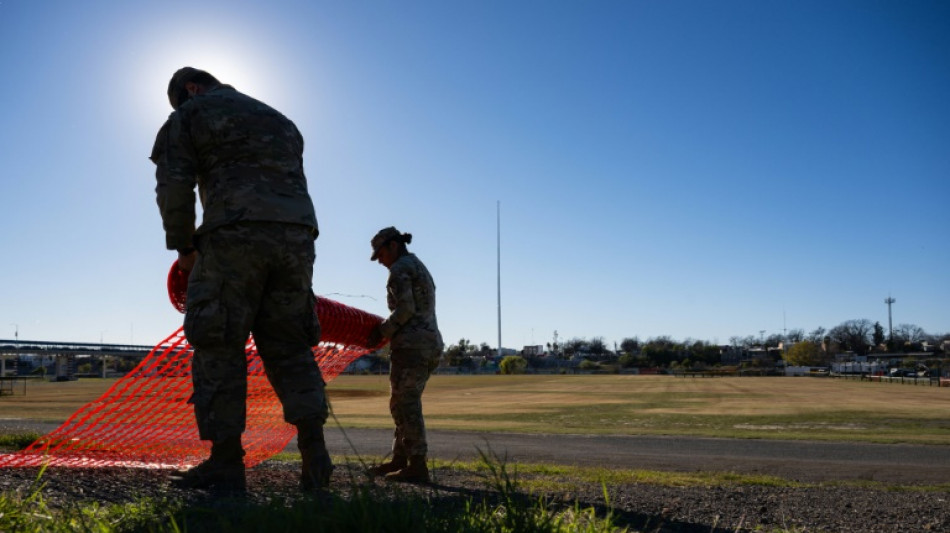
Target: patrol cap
[{"x": 382, "y": 237}]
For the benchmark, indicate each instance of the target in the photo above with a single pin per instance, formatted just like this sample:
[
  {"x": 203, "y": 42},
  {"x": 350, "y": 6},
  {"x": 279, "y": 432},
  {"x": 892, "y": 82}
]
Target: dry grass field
[{"x": 747, "y": 407}]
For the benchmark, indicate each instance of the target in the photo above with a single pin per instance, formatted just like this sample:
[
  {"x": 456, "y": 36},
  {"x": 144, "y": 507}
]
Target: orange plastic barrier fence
[{"x": 144, "y": 420}]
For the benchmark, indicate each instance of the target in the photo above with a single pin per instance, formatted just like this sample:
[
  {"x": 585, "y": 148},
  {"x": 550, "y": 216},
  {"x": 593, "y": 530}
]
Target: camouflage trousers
[
  {"x": 408, "y": 374},
  {"x": 253, "y": 277}
]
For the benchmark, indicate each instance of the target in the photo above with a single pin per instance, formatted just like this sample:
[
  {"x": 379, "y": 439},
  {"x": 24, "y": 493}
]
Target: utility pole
[
  {"x": 499, "y": 278},
  {"x": 890, "y": 324}
]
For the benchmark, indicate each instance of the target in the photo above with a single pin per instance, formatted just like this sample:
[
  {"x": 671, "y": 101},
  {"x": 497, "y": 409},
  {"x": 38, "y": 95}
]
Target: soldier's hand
[
  {"x": 375, "y": 337},
  {"x": 186, "y": 262}
]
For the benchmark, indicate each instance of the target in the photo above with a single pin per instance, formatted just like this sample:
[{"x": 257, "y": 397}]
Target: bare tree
[
  {"x": 910, "y": 333},
  {"x": 795, "y": 335},
  {"x": 909, "y": 337},
  {"x": 853, "y": 335}
]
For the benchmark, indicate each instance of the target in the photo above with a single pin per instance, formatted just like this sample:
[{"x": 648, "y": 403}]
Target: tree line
[{"x": 798, "y": 348}]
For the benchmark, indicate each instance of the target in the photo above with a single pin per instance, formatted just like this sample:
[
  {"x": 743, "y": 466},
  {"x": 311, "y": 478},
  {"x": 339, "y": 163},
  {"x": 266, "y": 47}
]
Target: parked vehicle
[{"x": 902, "y": 373}]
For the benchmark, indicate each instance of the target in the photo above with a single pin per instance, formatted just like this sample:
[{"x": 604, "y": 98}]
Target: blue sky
[{"x": 686, "y": 168}]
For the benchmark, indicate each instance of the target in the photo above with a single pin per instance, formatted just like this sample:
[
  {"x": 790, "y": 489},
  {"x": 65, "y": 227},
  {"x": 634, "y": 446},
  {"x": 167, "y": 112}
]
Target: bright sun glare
[{"x": 228, "y": 58}]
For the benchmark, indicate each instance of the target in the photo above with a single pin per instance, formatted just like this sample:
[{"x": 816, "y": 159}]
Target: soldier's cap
[
  {"x": 382, "y": 237},
  {"x": 176, "y": 86}
]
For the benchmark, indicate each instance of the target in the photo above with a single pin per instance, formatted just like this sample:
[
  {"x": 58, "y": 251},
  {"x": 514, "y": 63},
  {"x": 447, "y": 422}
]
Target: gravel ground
[
  {"x": 642, "y": 507},
  {"x": 820, "y": 504}
]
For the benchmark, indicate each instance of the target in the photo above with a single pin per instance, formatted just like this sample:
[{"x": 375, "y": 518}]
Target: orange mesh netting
[{"x": 144, "y": 419}]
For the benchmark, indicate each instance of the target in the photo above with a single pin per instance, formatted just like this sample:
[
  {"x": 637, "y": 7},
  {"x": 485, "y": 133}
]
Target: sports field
[{"x": 746, "y": 407}]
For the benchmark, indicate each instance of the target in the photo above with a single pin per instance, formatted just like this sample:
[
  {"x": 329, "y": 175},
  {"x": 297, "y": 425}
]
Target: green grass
[
  {"x": 365, "y": 507},
  {"x": 17, "y": 441},
  {"x": 28, "y": 512}
]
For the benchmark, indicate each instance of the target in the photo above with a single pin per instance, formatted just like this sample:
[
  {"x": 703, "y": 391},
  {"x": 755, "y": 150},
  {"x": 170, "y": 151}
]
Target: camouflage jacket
[
  {"x": 245, "y": 157},
  {"x": 410, "y": 294}
]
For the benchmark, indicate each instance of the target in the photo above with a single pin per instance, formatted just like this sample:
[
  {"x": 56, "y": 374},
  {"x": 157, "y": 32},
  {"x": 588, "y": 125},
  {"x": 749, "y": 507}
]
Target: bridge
[
  {"x": 65, "y": 353},
  {"x": 17, "y": 347}
]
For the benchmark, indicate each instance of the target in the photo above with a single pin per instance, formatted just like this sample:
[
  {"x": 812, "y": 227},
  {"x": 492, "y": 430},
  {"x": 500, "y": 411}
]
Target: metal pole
[
  {"x": 890, "y": 324},
  {"x": 499, "y": 278}
]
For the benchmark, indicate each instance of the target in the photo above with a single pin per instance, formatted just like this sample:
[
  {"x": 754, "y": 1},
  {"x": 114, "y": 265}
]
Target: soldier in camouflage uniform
[
  {"x": 415, "y": 349},
  {"x": 251, "y": 267}
]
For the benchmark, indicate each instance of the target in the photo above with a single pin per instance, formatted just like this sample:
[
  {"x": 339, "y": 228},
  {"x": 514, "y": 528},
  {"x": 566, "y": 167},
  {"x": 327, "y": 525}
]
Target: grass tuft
[{"x": 18, "y": 441}]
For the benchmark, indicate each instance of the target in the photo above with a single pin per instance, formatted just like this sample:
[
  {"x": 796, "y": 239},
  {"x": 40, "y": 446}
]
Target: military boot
[
  {"x": 397, "y": 463},
  {"x": 317, "y": 466},
  {"x": 415, "y": 472},
  {"x": 223, "y": 470}
]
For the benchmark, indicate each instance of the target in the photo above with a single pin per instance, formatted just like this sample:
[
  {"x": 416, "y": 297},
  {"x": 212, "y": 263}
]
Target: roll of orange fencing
[
  {"x": 145, "y": 420},
  {"x": 177, "y": 286}
]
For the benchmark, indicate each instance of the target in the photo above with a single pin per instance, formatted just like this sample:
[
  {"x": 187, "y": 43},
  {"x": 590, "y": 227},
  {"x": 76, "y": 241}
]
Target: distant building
[{"x": 533, "y": 351}]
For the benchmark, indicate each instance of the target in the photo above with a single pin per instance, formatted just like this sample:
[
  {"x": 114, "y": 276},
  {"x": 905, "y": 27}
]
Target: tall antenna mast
[
  {"x": 890, "y": 325},
  {"x": 499, "y": 277}
]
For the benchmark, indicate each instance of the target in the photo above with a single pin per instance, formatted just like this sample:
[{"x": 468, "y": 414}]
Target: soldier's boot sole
[
  {"x": 397, "y": 464},
  {"x": 415, "y": 472},
  {"x": 212, "y": 474}
]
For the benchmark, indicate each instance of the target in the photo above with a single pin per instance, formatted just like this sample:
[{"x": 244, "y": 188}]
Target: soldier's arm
[
  {"x": 400, "y": 284},
  {"x": 175, "y": 175}
]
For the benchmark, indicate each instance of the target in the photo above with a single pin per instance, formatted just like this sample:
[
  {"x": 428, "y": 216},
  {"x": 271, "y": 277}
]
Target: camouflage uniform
[
  {"x": 256, "y": 253},
  {"x": 415, "y": 344}
]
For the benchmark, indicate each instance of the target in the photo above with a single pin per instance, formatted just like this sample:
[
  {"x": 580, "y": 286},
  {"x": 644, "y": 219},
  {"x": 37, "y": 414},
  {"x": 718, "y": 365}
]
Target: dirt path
[{"x": 796, "y": 460}]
